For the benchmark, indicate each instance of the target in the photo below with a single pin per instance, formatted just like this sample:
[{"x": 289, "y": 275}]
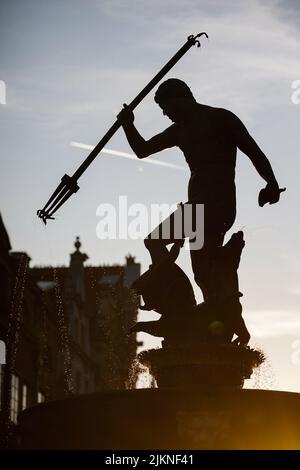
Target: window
[
  {"x": 14, "y": 398},
  {"x": 40, "y": 397},
  {"x": 24, "y": 397}
]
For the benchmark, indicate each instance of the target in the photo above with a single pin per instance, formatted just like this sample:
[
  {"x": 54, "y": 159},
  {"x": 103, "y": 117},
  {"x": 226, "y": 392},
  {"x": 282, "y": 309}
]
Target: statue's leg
[
  {"x": 228, "y": 263},
  {"x": 167, "y": 232},
  {"x": 217, "y": 221},
  {"x": 203, "y": 264}
]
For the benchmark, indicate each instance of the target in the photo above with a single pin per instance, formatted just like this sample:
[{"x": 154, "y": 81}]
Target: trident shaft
[{"x": 68, "y": 184}]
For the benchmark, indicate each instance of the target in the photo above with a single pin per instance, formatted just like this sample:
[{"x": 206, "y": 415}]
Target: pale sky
[{"x": 69, "y": 66}]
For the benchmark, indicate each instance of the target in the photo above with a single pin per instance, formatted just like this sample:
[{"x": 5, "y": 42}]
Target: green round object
[{"x": 216, "y": 328}]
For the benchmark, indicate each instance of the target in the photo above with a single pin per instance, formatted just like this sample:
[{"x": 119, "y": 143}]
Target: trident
[{"x": 68, "y": 184}]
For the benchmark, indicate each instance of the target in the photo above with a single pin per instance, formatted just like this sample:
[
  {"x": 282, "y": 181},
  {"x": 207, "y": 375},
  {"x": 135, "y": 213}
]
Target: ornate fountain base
[{"x": 199, "y": 405}]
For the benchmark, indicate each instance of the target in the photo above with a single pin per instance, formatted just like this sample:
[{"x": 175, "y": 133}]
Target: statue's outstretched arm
[{"x": 248, "y": 146}]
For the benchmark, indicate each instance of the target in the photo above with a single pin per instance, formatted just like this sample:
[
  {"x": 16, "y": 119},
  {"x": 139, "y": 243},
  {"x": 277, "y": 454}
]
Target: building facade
[{"x": 65, "y": 328}]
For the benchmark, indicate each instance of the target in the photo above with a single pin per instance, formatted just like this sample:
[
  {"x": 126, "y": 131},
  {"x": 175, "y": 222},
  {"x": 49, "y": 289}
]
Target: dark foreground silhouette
[{"x": 209, "y": 138}]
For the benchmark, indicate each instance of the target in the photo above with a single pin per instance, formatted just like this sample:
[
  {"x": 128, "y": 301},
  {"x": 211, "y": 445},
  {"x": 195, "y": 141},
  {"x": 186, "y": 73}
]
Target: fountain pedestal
[
  {"x": 191, "y": 409},
  {"x": 202, "y": 366}
]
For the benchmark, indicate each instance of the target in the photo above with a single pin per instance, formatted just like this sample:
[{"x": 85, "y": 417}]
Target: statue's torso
[{"x": 209, "y": 148}]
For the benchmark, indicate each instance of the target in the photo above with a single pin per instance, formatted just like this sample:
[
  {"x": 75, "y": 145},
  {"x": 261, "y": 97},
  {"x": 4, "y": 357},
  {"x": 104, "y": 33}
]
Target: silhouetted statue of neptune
[{"x": 209, "y": 138}]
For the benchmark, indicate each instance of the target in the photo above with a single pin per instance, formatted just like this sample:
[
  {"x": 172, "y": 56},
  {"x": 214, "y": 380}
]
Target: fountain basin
[{"x": 165, "y": 419}]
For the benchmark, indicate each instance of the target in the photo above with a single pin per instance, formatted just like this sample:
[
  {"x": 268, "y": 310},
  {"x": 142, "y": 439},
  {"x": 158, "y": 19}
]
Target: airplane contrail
[{"x": 130, "y": 156}]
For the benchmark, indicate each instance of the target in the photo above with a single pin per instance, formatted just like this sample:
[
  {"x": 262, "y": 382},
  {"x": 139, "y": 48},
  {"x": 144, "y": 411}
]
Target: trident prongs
[
  {"x": 65, "y": 189},
  {"x": 195, "y": 40},
  {"x": 44, "y": 216}
]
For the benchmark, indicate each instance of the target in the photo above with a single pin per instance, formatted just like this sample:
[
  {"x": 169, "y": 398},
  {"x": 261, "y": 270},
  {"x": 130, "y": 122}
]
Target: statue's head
[{"x": 175, "y": 99}]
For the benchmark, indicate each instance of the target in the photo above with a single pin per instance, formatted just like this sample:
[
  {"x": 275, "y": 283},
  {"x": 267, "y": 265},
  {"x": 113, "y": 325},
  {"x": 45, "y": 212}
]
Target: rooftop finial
[{"x": 77, "y": 244}]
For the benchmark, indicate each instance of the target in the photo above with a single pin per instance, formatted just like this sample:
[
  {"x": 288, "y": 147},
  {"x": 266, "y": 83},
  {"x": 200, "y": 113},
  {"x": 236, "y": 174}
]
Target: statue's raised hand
[{"x": 126, "y": 116}]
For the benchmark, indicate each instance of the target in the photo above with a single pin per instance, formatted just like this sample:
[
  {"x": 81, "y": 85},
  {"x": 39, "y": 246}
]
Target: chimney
[{"x": 132, "y": 271}]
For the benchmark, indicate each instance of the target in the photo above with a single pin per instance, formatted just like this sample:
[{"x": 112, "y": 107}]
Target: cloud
[
  {"x": 294, "y": 290},
  {"x": 270, "y": 323},
  {"x": 247, "y": 65},
  {"x": 130, "y": 156},
  {"x": 250, "y": 59}
]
